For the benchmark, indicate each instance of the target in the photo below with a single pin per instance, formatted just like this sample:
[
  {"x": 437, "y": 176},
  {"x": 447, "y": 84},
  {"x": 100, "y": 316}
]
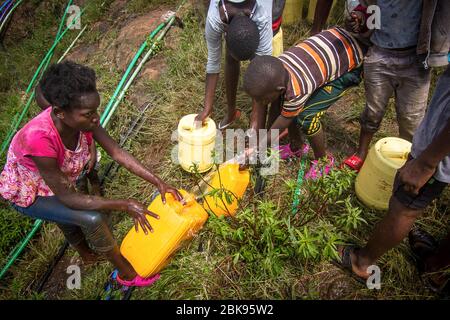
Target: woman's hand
[
  {"x": 165, "y": 188},
  {"x": 138, "y": 211}
]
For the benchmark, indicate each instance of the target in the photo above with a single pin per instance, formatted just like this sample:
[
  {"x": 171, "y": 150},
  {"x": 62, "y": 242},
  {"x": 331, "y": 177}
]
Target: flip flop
[
  {"x": 422, "y": 245},
  {"x": 138, "y": 281},
  {"x": 237, "y": 115},
  {"x": 287, "y": 153},
  {"x": 354, "y": 162},
  {"x": 345, "y": 264}
]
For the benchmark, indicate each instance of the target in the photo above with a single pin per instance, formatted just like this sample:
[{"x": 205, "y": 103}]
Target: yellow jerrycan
[
  {"x": 196, "y": 145},
  {"x": 373, "y": 185},
  {"x": 277, "y": 43},
  {"x": 226, "y": 186},
  {"x": 293, "y": 10},
  {"x": 148, "y": 254}
]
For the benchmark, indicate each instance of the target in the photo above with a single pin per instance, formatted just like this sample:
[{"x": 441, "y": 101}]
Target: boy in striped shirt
[{"x": 301, "y": 85}]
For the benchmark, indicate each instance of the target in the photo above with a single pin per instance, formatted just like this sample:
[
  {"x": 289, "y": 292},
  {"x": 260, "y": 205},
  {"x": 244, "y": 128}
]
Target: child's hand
[
  {"x": 355, "y": 22},
  {"x": 138, "y": 212},
  {"x": 165, "y": 188},
  {"x": 199, "y": 120}
]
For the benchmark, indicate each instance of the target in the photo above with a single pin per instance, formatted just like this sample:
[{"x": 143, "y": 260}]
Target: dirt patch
[{"x": 56, "y": 285}]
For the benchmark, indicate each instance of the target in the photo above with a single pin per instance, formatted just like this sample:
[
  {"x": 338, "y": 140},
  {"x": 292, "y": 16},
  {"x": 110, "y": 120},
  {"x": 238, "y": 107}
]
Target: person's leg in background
[
  {"x": 379, "y": 89},
  {"x": 403, "y": 211},
  {"x": 232, "y": 70},
  {"x": 322, "y": 11},
  {"x": 411, "y": 98}
]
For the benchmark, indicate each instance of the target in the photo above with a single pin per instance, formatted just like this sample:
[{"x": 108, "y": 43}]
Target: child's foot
[
  {"x": 318, "y": 170},
  {"x": 287, "y": 153}
]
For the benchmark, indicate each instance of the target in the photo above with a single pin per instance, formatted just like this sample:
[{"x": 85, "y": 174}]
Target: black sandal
[{"x": 422, "y": 245}]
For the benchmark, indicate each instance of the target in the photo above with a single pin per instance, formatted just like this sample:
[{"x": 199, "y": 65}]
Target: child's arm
[
  {"x": 210, "y": 90},
  {"x": 40, "y": 99},
  {"x": 126, "y": 160}
]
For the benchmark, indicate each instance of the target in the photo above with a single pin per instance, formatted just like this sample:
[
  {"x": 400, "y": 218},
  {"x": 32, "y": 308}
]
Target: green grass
[{"x": 265, "y": 253}]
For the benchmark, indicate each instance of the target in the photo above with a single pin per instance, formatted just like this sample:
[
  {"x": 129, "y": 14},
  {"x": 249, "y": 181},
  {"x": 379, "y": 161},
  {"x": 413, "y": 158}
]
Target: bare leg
[
  {"x": 86, "y": 253},
  {"x": 365, "y": 137},
  {"x": 295, "y": 137},
  {"x": 323, "y": 8},
  {"x": 317, "y": 142},
  {"x": 126, "y": 271},
  {"x": 388, "y": 233},
  {"x": 232, "y": 69}
]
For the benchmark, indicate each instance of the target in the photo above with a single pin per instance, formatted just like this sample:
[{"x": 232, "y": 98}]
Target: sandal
[
  {"x": 422, "y": 244},
  {"x": 345, "y": 263},
  {"x": 138, "y": 281},
  {"x": 315, "y": 172},
  {"x": 354, "y": 162},
  {"x": 237, "y": 115},
  {"x": 287, "y": 153}
]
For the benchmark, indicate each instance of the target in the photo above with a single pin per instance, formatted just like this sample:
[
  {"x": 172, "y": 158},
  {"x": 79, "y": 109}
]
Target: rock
[{"x": 82, "y": 53}]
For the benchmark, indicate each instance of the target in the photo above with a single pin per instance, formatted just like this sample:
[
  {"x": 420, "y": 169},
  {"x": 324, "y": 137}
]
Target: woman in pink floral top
[{"x": 48, "y": 154}]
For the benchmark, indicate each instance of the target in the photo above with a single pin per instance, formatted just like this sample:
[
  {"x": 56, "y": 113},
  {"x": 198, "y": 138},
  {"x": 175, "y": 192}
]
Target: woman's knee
[
  {"x": 93, "y": 220},
  {"x": 98, "y": 232}
]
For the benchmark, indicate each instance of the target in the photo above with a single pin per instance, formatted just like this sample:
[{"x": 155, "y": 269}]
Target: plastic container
[
  {"x": 195, "y": 146},
  {"x": 277, "y": 43},
  {"x": 148, "y": 254},
  {"x": 231, "y": 185},
  {"x": 374, "y": 182},
  {"x": 293, "y": 10}
]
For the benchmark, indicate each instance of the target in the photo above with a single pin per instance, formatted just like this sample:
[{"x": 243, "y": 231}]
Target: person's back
[{"x": 316, "y": 61}]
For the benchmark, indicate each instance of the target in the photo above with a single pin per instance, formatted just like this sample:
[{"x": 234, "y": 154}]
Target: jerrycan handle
[
  {"x": 178, "y": 206},
  {"x": 190, "y": 126}
]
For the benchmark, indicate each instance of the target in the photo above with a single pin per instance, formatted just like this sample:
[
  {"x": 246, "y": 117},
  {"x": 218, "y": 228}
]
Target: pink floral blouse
[{"x": 20, "y": 180}]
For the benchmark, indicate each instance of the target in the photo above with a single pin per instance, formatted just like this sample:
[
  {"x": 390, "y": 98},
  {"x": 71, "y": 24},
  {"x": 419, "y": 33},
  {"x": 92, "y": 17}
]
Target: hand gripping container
[
  {"x": 148, "y": 254},
  {"x": 373, "y": 185},
  {"x": 196, "y": 145}
]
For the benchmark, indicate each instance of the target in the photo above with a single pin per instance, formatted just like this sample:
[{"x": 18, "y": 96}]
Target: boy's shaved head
[
  {"x": 242, "y": 37},
  {"x": 264, "y": 75}
]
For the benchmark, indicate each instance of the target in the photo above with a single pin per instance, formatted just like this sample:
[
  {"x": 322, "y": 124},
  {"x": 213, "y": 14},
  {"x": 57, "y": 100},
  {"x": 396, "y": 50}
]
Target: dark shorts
[
  {"x": 430, "y": 191},
  {"x": 323, "y": 98}
]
